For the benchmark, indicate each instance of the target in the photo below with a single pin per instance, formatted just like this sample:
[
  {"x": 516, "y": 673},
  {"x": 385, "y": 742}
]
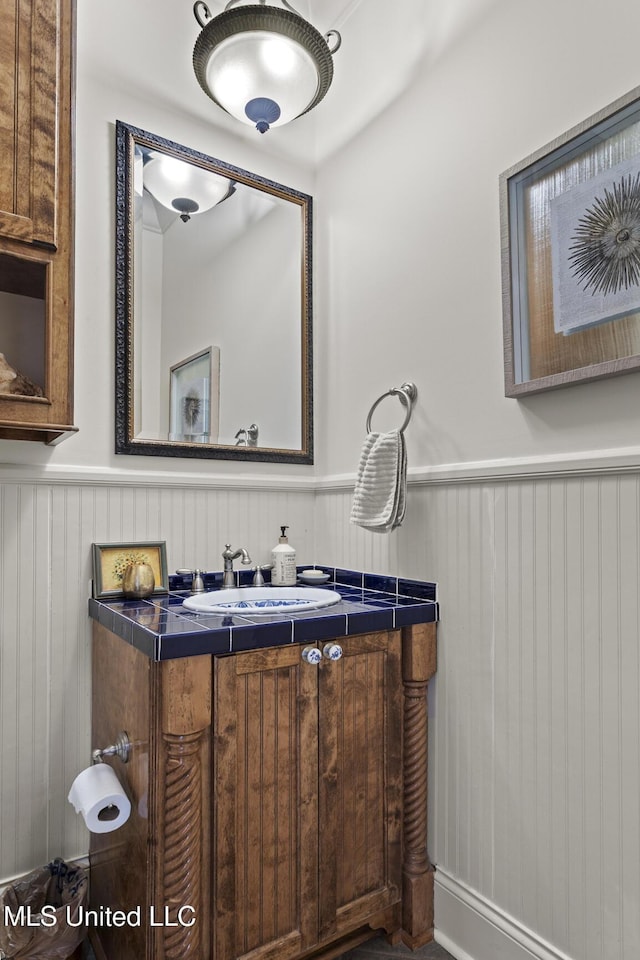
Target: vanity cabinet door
[
  {"x": 265, "y": 776},
  {"x": 307, "y": 806},
  {"x": 360, "y": 786}
]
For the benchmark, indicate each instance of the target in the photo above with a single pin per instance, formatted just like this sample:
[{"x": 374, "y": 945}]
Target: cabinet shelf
[{"x": 49, "y": 433}]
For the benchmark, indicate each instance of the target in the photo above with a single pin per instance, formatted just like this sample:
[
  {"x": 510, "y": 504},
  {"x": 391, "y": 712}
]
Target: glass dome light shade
[
  {"x": 172, "y": 182},
  {"x": 259, "y": 54},
  {"x": 257, "y": 65}
]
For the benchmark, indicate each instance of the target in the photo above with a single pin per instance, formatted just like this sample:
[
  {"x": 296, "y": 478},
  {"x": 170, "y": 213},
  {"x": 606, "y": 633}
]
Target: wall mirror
[{"x": 213, "y": 307}]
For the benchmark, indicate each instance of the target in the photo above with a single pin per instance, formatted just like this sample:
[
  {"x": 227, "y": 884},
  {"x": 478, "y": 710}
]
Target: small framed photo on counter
[{"x": 110, "y": 560}]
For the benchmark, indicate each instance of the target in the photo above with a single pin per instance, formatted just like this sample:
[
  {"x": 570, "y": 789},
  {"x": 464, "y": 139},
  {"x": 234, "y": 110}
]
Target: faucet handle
[
  {"x": 197, "y": 584},
  {"x": 258, "y": 579}
]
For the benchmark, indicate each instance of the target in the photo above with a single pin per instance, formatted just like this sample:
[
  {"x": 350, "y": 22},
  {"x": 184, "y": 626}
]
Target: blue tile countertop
[{"x": 163, "y": 629}]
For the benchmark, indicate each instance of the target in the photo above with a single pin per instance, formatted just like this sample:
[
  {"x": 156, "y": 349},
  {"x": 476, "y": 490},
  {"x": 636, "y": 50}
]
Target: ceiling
[{"x": 146, "y": 45}]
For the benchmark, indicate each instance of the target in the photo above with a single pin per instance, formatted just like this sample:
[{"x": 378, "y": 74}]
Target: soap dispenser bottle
[{"x": 283, "y": 573}]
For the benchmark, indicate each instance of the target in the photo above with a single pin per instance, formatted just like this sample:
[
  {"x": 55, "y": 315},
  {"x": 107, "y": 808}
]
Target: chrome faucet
[
  {"x": 229, "y": 555},
  {"x": 248, "y": 436}
]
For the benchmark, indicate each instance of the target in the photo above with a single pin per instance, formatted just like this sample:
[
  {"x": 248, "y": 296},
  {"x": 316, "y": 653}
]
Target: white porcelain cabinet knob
[
  {"x": 332, "y": 651},
  {"x": 312, "y": 655}
]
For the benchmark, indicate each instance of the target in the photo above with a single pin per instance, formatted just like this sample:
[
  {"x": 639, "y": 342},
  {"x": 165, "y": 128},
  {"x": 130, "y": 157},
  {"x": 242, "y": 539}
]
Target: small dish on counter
[{"x": 313, "y": 576}]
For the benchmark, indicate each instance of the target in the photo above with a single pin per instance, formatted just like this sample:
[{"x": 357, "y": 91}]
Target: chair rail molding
[
  {"x": 584, "y": 463},
  {"x": 543, "y": 467}
]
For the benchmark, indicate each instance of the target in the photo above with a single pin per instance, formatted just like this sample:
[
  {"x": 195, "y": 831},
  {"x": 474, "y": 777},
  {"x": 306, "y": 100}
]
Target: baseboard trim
[{"x": 471, "y": 927}]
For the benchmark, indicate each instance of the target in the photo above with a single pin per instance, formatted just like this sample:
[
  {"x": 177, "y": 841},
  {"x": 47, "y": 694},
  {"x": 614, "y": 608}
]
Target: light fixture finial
[{"x": 263, "y": 112}]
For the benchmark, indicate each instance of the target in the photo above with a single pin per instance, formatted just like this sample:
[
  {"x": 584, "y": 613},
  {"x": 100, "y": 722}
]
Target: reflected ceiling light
[
  {"x": 265, "y": 65},
  {"x": 183, "y": 187}
]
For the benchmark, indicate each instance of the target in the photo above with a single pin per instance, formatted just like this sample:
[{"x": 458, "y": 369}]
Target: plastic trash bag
[{"x": 38, "y": 913}]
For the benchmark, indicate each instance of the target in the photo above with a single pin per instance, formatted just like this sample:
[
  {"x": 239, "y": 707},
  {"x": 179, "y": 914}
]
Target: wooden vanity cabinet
[
  {"x": 36, "y": 213},
  {"x": 268, "y": 794}
]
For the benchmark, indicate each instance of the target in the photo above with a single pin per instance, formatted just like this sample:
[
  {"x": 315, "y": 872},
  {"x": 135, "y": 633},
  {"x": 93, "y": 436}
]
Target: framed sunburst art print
[
  {"x": 570, "y": 229},
  {"x": 193, "y": 397}
]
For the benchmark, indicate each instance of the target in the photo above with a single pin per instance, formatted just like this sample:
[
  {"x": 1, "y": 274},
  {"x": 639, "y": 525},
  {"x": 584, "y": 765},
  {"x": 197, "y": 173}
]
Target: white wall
[
  {"x": 48, "y": 526},
  {"x": 99, "y": 104},
  {"x": 526, "y": 512},
  {"x": 150, "y": 417},
  {"x": 247, "y": 302},
  {"x": 54, "y": 502},
  {"x": 534, "y": 786},
  {"x": 408, "y": 252}
]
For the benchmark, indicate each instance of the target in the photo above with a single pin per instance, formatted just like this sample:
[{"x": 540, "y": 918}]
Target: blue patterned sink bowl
[{"x": 253, "y": 601}]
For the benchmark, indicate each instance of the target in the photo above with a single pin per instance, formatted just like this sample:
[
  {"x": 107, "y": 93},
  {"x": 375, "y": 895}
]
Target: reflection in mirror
[{"x": 213, "y": 308}]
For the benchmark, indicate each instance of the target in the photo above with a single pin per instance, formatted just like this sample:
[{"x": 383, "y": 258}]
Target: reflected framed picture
[
  {"x": 193, "y": 397},
  {"x": 110, "y": 560},
  {"x": 570, "y": 232}
]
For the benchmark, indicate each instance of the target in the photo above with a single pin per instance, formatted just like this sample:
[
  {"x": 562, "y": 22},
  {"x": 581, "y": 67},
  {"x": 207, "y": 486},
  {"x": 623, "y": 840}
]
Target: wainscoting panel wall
[
  {"x": 535, "y": 708},
  {"x": 535, "y": 716},
  {"x": 47, "y": 529}
]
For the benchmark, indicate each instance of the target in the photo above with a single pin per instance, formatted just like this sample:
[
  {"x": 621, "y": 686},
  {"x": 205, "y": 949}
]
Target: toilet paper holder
[{"x": 118, "y": 749}]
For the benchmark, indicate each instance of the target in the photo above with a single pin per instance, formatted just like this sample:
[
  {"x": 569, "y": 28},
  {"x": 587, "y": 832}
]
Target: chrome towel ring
[{"x": 407, "y": 394}]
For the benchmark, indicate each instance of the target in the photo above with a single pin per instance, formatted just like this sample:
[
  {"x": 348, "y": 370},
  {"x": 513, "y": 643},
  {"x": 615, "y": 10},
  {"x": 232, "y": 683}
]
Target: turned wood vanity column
[
  {"x": 183, "y": 809},
  {"x": 418, "y": 666}
]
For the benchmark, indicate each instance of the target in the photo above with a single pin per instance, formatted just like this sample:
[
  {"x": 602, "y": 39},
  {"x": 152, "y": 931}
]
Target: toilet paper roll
[{"x": 98, "y": 795}]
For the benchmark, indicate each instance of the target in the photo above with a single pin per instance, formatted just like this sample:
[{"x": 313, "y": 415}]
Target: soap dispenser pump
[{"x": 283, "y": 573}]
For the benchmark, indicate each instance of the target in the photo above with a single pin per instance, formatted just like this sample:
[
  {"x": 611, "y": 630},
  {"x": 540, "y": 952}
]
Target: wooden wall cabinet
[
  {"x": 37, "y": 41},
  {"x": 284, "y": 802}
]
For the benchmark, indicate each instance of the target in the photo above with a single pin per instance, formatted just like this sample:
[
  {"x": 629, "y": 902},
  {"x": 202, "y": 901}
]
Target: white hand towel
[{"x": 379, "y": 497}]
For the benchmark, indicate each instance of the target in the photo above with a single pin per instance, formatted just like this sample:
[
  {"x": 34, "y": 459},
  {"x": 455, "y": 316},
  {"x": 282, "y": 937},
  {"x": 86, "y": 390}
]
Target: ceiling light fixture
[
  {"x": 265, "y": 65},
  {"x": 183, "y": 187}
]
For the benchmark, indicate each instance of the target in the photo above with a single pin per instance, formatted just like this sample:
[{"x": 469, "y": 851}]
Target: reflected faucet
[
  {"x": 248, "y": 436},
  {"x": 229, "y": 555}
]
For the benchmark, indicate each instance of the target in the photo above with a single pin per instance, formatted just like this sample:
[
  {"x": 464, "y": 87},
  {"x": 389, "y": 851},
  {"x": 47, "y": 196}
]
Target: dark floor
[{"x": 379, "y": 949}]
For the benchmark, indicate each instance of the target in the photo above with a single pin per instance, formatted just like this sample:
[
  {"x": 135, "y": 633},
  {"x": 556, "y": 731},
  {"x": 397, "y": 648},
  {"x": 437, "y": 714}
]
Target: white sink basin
[{"x": 261, "y": 600}]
